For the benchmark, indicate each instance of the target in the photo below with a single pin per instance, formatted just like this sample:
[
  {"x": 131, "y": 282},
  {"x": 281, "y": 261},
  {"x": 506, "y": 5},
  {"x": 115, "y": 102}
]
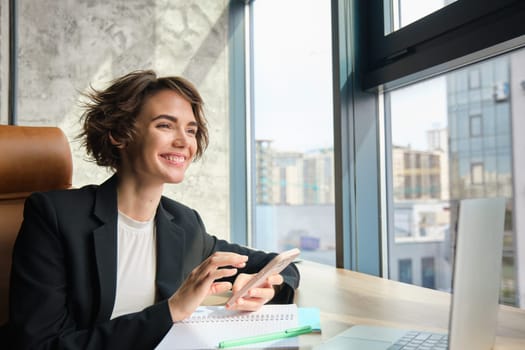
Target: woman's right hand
[{"x": 201, "y": 283}]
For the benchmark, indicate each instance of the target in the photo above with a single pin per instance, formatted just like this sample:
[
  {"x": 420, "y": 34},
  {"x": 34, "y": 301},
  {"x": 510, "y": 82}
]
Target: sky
[
  {"x": 293, "y": 79},
  {"x": 412, "y": 10},
  {"x": 416, "y": 109}
]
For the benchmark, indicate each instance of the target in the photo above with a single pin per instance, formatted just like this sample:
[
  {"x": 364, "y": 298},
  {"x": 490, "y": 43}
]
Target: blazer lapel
[
  {"x": 170, "y": 245},
  {"x": 105, "y": 241}
]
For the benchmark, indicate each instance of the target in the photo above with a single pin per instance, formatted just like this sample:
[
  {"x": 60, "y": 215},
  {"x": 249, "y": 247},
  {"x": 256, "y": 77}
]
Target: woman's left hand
[{"x": 255, "y": 297}]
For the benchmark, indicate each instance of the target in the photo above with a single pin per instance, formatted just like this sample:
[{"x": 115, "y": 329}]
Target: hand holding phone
[{"x": 276, "y": 265}]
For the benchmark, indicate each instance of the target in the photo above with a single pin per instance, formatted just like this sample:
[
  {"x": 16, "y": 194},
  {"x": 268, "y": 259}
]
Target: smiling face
[{"x": 165, "y": 141}]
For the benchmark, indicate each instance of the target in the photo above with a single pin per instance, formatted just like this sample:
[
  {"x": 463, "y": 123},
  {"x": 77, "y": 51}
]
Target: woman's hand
[
  {"x": 256, "y": 297},
  {"x": 201, "y": 283}
]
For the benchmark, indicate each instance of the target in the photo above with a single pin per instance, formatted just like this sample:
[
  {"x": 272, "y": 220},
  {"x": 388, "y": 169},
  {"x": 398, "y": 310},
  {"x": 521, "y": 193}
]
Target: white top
[{"x": 136, "y": 265}]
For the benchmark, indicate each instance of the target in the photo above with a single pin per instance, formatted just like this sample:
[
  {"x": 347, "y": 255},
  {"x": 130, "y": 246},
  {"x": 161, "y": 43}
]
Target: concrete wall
[
  {"x": 4, "y": 60},
  {"x": 64, "y": 46}
]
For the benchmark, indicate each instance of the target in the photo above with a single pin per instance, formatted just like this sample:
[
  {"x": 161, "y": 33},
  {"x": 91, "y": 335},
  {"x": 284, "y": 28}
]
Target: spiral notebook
[{"x": 209, "y": 325}]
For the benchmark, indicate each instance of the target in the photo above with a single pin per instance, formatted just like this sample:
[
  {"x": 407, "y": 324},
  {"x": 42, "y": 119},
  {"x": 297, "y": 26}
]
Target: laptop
[{"x": 475, "y": 296}]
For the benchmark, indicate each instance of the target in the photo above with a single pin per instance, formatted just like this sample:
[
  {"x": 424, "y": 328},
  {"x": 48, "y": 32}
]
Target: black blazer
[{"x": 63, "y": 278}]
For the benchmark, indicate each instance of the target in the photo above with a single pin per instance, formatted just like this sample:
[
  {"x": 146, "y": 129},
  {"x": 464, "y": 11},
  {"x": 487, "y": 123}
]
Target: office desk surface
[{"x": 347, "y": 298}]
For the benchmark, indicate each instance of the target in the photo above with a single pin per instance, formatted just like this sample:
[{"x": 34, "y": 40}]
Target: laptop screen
[{"x": 477, "y": 273}]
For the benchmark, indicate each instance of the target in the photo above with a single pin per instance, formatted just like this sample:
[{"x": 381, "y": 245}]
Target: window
[
  {"x": 428, "y": 274},
  {"x": 426, "y": 78},
  {"x": 425, "y": 36},
  {"x": 403, "y": 223},
  {"x": 476, "y": 173},
  {"x": 475, "y": 125},
  {"x": 405, "y": 270},
  {"x": 480, "y": 164},
  {"x": 400, "y": 13},
  {"x": 427, "y": 221},
  {"x": 292, "y": 118},
  {"x": 474, "y": 79}
]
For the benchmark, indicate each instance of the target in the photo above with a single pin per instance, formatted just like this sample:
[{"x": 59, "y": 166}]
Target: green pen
[{"x": 291, "y": 332}]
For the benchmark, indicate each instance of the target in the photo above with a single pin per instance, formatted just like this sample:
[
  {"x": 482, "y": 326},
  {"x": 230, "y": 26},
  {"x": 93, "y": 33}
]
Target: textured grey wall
[
  {"x": 64, "y": 46},
  {"x": 4, "y": 60}
]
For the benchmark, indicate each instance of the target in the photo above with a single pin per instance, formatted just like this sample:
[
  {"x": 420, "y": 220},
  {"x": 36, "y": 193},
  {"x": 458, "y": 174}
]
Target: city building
[
  {"x": 481, "y": 152},
  {"x": 293, "y": 178},
  {"x": 416, "y": 173}
]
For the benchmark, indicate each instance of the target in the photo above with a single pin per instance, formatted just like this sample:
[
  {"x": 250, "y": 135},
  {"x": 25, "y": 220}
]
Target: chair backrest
[{"x": 31, "y": 159}]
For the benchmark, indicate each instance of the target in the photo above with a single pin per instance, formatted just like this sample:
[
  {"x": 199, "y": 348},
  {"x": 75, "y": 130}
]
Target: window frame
[
  {"x": 239, "y": 32},
  {"x": 475, "y": 125},
  {"x": 366, "y": 63},
  {"x": 362, "y": 73},
  {"x": 356, "y": 149},
  {"x": 434, "y": 42}
]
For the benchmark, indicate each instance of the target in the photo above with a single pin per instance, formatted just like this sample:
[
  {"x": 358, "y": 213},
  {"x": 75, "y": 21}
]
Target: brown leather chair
[{"x": 31, "y": 159}]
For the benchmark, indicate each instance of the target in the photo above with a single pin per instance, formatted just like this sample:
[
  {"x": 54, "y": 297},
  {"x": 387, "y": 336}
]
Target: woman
[{"x": 112, "y": 266}]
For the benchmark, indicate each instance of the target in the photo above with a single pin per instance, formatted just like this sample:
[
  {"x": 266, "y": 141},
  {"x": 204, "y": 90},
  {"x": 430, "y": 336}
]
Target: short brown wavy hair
[{"x": 112, "y": 113}]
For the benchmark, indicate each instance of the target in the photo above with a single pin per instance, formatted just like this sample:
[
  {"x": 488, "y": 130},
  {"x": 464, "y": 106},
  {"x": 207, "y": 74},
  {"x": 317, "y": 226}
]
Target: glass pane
[
  {"x": 293, "y": 146},
  {"x": 400, "y": 13},
  {"x": 450, "y": 141}
]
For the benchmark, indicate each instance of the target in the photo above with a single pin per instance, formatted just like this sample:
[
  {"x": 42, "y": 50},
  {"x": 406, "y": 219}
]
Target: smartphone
[{"x": 276, "y": 265}]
